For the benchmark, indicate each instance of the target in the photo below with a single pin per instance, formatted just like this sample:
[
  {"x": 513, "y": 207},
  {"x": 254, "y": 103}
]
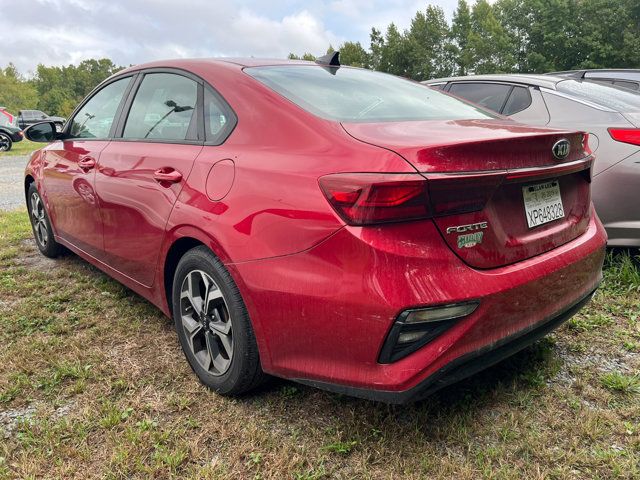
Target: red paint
[{"x": 322, "y": 295}]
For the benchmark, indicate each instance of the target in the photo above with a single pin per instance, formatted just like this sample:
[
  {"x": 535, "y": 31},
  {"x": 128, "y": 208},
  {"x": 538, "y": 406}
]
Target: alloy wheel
[
  {"x": 5, "y": 143},
  {"x": 206, "y": 322},
  {"x": 38, "y": 220}
]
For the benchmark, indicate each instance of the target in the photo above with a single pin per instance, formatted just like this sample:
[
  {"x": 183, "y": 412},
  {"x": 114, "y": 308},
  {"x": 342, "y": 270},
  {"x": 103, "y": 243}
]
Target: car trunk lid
[{"x": 497, "y": 193}]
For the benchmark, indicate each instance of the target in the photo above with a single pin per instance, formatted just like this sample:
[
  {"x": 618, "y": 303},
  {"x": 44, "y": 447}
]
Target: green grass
[
  {"x": 25, "y": 147},
  {"x": 93, "y": 385}
]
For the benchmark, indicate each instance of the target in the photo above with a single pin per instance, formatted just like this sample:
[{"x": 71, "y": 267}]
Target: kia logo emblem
[{"x": 561, "y": 149}]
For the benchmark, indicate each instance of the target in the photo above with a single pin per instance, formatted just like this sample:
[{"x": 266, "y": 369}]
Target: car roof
[
  {"x": 546, "y": 81},
  {"x": 188, "y": 63}
]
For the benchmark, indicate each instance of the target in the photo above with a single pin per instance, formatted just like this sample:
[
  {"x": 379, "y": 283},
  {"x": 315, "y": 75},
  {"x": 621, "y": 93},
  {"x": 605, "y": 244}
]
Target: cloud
[{"x": 59, "y": 32}]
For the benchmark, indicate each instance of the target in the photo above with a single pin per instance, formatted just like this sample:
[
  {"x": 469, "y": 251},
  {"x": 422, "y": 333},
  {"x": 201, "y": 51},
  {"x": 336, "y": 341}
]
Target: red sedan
[{"x": 339, "y": 227}]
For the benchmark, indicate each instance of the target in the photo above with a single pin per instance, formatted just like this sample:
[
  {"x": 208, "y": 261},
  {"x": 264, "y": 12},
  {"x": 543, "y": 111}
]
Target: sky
[{"x": 62, "y": 32}]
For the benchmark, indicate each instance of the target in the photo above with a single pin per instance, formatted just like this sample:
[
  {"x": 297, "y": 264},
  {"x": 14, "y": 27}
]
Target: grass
[
  {"x": 25, "y": 147},
  {"x": 93, "y": 385}
]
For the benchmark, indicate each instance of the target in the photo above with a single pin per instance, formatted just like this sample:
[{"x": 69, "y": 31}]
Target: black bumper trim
[{"x": 462, "y": 367}]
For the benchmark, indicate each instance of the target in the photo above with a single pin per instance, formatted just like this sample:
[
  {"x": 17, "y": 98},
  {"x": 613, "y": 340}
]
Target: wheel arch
[
  {"x": 175, "y": 252},
  {"x": 28, "y": 180},
  {"x": 179, "y": 241}
]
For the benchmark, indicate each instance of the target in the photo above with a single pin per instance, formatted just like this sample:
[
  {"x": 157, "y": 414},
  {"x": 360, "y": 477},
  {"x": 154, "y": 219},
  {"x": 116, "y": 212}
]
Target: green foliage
[
  {"x": 15, "y": 92},
  {"x": 505, "y": 36},
  {"x": 619, "y": 382},
  {"x": 60, "y": 89},
  {"x": 54, "y": 90}
]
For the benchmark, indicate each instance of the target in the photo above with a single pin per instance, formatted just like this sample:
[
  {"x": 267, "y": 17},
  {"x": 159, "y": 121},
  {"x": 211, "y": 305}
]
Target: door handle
[
  {"x": 87, "y": 163},
  {"x": 167, "y": 174}
]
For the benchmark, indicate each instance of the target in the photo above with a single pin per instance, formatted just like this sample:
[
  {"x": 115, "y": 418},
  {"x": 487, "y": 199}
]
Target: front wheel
[
  {"x": 213, "y": 325},
  {"x": 41, "y": 225},
  {"x": 5, "y": 142}
]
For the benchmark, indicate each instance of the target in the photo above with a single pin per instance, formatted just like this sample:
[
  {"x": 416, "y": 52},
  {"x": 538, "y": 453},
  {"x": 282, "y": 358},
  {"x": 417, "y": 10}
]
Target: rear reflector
[
  {"x": 626, "y": 135},
  {"x": 415, "y": 328}
]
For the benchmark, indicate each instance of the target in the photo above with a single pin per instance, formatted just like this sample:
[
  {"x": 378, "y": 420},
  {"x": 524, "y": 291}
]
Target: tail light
[
  {"x": 367, "y": 198},
  {"x": 370, "y": 198},
  {"x": 626, "y": 135}
]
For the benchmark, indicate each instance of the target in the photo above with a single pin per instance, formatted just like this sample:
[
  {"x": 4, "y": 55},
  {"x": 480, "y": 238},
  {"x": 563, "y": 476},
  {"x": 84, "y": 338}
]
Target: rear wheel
[
  {"x": 213, "y": 325},
  {"x": 5, "y": 142},
  {"x": 41, "y": 225}
]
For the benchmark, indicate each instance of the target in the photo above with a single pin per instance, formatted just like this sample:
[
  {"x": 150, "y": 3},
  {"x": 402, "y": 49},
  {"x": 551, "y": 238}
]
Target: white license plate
[{"x": 542, "y": 203}]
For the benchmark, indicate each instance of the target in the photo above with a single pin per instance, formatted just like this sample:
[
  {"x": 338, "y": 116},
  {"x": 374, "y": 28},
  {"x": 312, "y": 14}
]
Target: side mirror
[{"x": 43, "y": 132}]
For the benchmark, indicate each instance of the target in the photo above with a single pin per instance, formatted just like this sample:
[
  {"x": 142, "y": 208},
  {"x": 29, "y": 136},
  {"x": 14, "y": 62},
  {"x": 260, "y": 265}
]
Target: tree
[
  {"x": 429, "y": 44},
  {"x": 353, "y": 54},
  {"x": 395, "y": 54},
  {"x": 489, "y": 43},
  {"x": 376, "y": 47},
  {"x": 460, "y": 33},
  {"x": 15, "y": 92},
  {"x": 306, "y": 56}
]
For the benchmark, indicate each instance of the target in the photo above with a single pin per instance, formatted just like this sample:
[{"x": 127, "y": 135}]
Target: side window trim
[
  {"x": 198, "y": 116},
  {"x": 67, "y": 129}
]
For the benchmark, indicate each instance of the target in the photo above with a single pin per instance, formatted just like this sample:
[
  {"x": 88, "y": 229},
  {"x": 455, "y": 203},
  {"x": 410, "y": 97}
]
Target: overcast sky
[{"x": 59, "y": 32}]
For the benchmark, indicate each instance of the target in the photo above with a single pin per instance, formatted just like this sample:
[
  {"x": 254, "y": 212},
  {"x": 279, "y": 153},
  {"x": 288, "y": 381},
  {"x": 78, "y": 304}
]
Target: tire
[
  {"x": 218, "y": 340},
  {"x": 5, "y": 142},
  {"x": 41, "y": 225}
]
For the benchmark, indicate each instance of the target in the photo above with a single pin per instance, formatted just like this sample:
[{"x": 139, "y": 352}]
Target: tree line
[
  {"x": 508, "y": 36},
  {"x": 54, "y": 90}
]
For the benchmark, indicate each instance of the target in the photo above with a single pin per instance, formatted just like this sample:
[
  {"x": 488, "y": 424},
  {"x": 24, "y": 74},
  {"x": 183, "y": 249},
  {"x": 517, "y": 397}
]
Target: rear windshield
[
  {"x": 620, "y": 99},
  {"x": 356, "y": 95}
]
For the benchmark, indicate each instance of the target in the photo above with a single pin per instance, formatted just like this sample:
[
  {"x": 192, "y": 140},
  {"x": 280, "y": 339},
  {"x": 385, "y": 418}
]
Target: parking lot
[{"x": 11, "y": 175}]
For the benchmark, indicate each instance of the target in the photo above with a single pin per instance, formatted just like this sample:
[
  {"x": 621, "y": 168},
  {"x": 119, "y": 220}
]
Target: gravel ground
[{"x": 11, "y": 178}]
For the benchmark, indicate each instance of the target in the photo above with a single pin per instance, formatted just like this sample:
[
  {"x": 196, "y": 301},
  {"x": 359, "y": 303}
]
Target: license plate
[{"x": 542, "y": 203}]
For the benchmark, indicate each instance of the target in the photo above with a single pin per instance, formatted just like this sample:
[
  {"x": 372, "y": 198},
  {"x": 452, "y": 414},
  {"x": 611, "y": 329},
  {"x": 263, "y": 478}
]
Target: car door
[
  {"x": 142, "y": 171},
  {"x": 69, "y": 168}
]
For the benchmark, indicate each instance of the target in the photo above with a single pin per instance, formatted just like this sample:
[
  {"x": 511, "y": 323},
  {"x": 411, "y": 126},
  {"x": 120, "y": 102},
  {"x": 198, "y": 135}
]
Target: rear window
[
  {"x": 612, "y": 97},
  {"x": 355, "y": 95}
]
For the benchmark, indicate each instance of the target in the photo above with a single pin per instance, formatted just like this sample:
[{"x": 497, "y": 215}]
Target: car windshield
[
  {"x": 355, "y": 95},
  {"x": 620, "y": 99}
]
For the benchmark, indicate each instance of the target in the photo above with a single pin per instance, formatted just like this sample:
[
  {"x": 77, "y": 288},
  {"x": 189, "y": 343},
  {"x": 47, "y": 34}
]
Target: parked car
[
  {"x": 625, "y": 78},
  {"x": 9, "y": 132},
  {"x": 31, "y": 117},
  {"x": 340, "y": 227},
  {"x": 611, "y": 116}
]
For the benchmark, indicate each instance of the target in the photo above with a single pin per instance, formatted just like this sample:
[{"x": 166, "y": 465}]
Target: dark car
[
  {"x": 9, "y": 133},
  {"x": 29, "y": 117},
  {"x": 626, "y": 78}
]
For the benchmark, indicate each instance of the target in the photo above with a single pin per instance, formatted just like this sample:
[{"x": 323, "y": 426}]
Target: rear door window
[
  {"x": 489, "y": 95},
  {"x": 163, "y": 109}
]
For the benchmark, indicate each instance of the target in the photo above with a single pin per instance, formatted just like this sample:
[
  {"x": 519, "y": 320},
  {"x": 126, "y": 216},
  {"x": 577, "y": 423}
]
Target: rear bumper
[
  {"x": 322, "y": 316},
  {"x": 464, "y": 366}
]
